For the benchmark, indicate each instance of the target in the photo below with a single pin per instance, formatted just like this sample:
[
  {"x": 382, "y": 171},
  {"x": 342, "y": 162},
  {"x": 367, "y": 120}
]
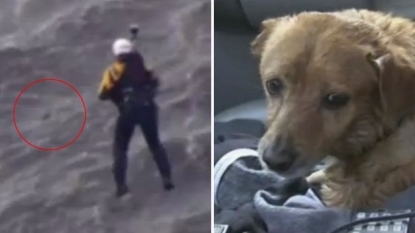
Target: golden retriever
[{"x": 340, "y": 84}]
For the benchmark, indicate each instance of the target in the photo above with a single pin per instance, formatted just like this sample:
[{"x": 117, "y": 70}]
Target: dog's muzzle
[{"x": 279, "y": 156}]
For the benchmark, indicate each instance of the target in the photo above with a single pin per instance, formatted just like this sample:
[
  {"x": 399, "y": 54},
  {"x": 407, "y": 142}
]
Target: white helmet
[{"x": 122, "y": 46}]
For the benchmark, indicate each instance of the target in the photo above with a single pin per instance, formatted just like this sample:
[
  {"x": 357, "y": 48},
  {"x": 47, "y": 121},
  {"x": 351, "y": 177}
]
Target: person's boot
[
  {"x": 163, "y": 165},
  {"x": 168, "y": 184},
  {"x": 122, "y": 191}
]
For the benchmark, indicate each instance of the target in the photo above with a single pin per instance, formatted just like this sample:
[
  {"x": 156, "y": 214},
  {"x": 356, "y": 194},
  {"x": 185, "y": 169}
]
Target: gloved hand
[
  {"x": 243, "y": 220},
  {"x": 103, "y": 96},
  {"x": 154, "y": 80}
]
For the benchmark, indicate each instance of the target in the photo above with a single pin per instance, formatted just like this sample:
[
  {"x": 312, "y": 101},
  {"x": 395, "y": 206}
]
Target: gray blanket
[{"x": 239, "y": 179}]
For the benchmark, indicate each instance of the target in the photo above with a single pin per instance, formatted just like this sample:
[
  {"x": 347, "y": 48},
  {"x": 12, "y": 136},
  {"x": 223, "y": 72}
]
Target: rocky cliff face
[{"x": 70, "y": 190}]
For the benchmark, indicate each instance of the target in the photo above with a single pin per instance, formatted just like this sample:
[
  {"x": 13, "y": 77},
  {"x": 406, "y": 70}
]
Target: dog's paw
[{"x": 317, "y": 177}]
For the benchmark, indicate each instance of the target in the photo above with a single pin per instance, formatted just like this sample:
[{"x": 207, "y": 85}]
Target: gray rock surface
[{"x": 71, "y": 190}]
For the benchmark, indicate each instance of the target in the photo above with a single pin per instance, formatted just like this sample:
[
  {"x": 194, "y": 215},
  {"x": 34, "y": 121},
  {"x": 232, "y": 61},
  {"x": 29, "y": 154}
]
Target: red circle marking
[{"x": 17, "y": 101}]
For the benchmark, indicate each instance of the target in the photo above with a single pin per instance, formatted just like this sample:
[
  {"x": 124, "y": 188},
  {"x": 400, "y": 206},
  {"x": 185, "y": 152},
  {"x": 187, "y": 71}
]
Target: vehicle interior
[{"x": 237, "y": 87}]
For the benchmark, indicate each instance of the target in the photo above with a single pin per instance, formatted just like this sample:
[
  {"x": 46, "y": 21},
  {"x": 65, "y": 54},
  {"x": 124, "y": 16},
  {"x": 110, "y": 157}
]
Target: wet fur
[
  {"x": 387, "y": 170},
  {"x": 310, "y": 52}
]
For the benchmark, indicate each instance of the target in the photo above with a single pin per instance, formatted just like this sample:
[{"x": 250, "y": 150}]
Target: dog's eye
[
  {"x": 335, "y": 101},
  {"x": 274, "y": 86}
]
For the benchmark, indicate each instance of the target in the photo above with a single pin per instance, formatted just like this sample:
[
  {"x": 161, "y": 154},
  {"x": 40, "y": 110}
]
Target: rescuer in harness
[{"x": 132, "y": 88}]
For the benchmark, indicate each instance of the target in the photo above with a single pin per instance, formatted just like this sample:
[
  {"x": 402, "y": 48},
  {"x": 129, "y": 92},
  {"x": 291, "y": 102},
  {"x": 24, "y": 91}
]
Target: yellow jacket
[{"x": 111, "y": 75}]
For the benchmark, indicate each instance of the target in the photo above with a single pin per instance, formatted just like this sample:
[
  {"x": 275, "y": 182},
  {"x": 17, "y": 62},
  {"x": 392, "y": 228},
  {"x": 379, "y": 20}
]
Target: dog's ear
[
  {"x": 378, "y": 63},
  {"x": 266, "y": 28},
  {"x": 396, "y": 86}
]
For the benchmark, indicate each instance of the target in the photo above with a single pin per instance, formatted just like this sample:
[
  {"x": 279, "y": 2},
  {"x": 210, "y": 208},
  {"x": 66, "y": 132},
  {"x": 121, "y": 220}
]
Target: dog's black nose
[{"x": 279, "y": 158}]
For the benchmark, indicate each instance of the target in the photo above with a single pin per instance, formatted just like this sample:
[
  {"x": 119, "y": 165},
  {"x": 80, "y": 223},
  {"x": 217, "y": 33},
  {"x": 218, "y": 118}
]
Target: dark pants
[{"x": 147, "y": 118}]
